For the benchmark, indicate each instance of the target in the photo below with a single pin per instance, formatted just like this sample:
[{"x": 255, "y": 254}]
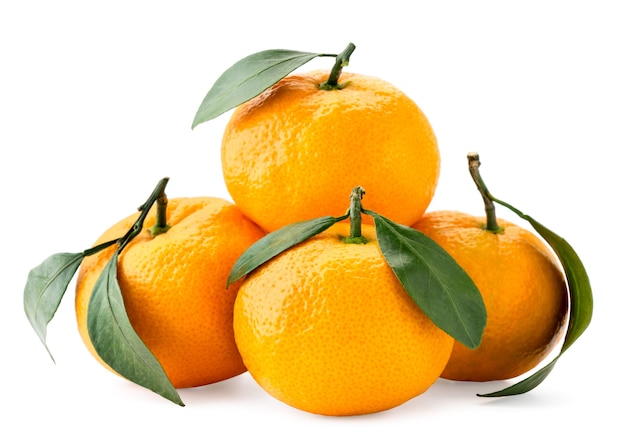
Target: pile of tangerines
[{"x": 318, "y": 165}]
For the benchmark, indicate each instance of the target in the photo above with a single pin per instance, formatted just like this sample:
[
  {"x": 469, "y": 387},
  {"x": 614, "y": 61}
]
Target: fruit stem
[
  {"x": 355, "y": 217},
  {"x": 161, "y": 225},
  {"x": 157, "y": 193},
  {"x": 342, "y": 60},
  {"x": 490, "y": 209}
]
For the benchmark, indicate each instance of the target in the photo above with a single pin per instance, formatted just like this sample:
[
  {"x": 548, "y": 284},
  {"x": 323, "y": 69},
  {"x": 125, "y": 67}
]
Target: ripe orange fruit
[
  {"x": 174, "y": 287},
  {"x": 326, "y": 327},
  {"x": 294, "y": 151},
  {"x": 523, "y": 289}
]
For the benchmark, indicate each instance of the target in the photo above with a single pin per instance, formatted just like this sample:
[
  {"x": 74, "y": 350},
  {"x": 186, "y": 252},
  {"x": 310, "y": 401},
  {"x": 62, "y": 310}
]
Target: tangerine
[
  {"x": 292, "y": 152},
  {"x": 174, "y": 287},
  {"x": 326, "y": 327},
  {"x": 522, "y": 286}
]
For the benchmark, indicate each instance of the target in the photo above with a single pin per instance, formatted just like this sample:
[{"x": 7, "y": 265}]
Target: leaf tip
[
  {"x": 50, "y": 353},
  {"x": 232, "y": 278},
  {"x": 196, "y": 121}
]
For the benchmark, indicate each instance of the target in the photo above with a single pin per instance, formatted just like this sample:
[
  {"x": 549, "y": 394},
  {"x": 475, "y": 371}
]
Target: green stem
[
  {"x": 355, "y": 217},
  {"x": 490, "y": 209},
  {"x": 342, "y": 60},
  {"x": 161, "y": 225},
  {"x": 99, "y": 247},
  {"x": 158, "y": 192}
]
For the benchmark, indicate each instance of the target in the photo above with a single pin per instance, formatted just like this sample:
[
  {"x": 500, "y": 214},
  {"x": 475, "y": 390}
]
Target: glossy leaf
[
  {"x": 276, "y": 242},
  {"x": 434, "y": 280},
  {"x": 45, "y": 286},
  {"x": 248, "y": 78},
  {"x": 581, "y": 301},
  {"x": 117, "y": 343}
]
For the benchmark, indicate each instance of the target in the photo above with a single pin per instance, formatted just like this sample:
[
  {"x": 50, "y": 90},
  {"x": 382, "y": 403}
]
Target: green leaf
[
  {"x": 115, "y": 340},
  {"x": 248, "y": 78},
  {"x": 434, "y": 280},
  {"x": 276, "y": 242},
  {"x": 525, "y": 385},
  {"x": 581, "y": 301},
  {"x": 45, "y": 286},
  {"x": 581, "y": 297}
]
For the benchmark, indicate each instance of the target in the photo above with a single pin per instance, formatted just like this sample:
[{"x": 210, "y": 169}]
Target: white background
[{"x": 96, "y": 105}]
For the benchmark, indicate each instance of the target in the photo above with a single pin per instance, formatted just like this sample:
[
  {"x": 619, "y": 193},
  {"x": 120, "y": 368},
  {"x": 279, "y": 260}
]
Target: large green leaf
[
  {"x": 45, "y": 287},
  {"x": 248, "y": 78},
  {"x": 434, "y": 280},
  {"x": 276, "y": 242},
  {"x": 115, "y": 340},
  {"x": 581, "y": 301}
]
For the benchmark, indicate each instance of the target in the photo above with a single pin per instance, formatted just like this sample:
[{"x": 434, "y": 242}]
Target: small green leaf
[
  {"x": 434, "y": 280},
  {"x": 276, "y": 242},
  {"x": 45, "y": 286},
  {"x": 248, "y": 78},
  {"x": 115, "y": 340},
  {"x": 581, "y": 301}
]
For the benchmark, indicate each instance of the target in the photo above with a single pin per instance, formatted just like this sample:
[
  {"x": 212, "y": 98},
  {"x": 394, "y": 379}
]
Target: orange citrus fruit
[
  {"x": 523, "y": 289},
  {"x": 294, "y": 151},
  {"x": 174, "y": 287},
  {"x": 326, "y": 327}
]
